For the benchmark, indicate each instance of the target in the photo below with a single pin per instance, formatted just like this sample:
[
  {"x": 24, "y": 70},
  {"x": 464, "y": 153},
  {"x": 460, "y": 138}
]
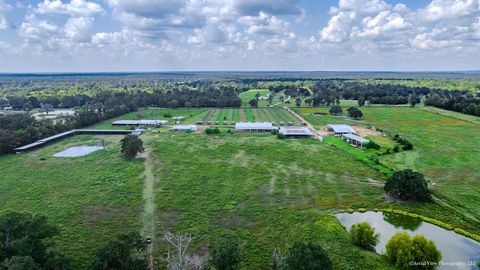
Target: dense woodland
[{"x": 96, "y": 98}]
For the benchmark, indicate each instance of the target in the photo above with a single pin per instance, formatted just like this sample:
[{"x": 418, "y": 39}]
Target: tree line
[{"x": 21, "y": 129}]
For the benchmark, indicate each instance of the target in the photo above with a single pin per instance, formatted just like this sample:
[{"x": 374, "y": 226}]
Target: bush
[
  {"x": 396, "y": 149},
  {"x": 226, "y": 254},
  {"x": 335, "y": 110},
  {"x": 131, "y": 146},
  {"x": 408, "y": 185},
  {"x": 403, "y": 251},
  {"x": 123, "y": 252},
  {"x": 354, "y": 113},
  {"x": 281, "y": 136},
  {"x": 307, "y": 256},
  {"x": 363, "y": 235},
  {"x": 372, "y": 145},
  {"x": 212, "y": 131},
  {"x": 167, "y": 115}
]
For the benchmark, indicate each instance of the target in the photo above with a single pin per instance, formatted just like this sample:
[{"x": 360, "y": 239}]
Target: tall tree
[
  {"x": 131, "y": 146},
  {"x": 408, "y": 185}
]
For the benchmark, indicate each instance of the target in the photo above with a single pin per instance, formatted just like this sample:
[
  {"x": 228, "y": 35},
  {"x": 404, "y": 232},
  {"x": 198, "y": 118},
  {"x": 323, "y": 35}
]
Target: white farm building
[
  {"x": 254, "y": 127},
  {"x": 184, "y": 128},
  {"x": 295, "y": 132},
  {"x": 144, "y": 123}
]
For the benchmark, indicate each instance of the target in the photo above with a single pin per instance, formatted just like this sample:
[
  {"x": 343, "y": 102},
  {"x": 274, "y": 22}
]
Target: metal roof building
[
  {"x": 143, "y": 122},
  {"x": 340, "y": 129},
  {"x": 184, "y": 128},
  {"x": 354, "y": 139},
  {"x": 295, "y": 131},
  {"x": 244, "y": 126}
]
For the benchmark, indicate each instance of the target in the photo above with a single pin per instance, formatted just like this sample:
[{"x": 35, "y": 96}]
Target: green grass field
[
  {"x": 265, "y": 191},
  {"x": 89, "y": 198},
  {"x": 446, "y": 148},
  {"x": 276, "y": 115}
]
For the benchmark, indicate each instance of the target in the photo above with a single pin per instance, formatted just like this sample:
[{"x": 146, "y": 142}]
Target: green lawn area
[
  {"x": 265, "y": 191},
  {"x": 89, "y": 198},
  {"x": 446, "y": 148},
  {"x": 191, "y": 116},
  {"x": 250, "y": 94}
]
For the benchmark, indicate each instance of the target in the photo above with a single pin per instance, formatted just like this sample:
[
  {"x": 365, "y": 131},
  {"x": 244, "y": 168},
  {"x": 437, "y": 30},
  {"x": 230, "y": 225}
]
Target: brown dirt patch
[{"x": 366, "y": 131}]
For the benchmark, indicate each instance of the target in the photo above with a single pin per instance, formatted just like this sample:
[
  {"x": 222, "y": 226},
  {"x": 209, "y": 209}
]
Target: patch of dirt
[
  {"x": 231, "y": 221},
  {"x": 361, "y": 131},
  {"x": 201, "y": 128},
  {"x": 240, "y": 159},
  {"x": 94, "y": 215},
  {"x": 169, "y": 219}
]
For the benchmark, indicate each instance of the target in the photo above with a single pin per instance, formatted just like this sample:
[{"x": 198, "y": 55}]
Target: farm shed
[
  {"x": 72, "y": 132},
  {"x": 254, "y": 127},
  {"x": 145, "y": 123},
  {"x": 184, "y": 128},
  {"x": 295, "y": 131},
  {"x": 354, "y": 139},
  {"x": 340, "y": 129}
]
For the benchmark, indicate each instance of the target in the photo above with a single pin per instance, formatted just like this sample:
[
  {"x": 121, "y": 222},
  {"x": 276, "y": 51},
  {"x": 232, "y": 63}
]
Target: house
[
  {"x": 178, "y": 117},
  {"x": 340, "y": 129},
  {"x": 144, "y": 123},
  {"x": 254, "y": 127},
  {"x": 263, "y": 98},
  {"x": 354, "y": 139},
  {"x": 295, "y": 132},
  {"x": 184, "y": 128}
]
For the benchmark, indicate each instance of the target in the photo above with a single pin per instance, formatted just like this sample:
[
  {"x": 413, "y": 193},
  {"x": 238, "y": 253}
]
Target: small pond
[
  {"x": 455, "y": 248},
  {"x": 77, "y": 151}
]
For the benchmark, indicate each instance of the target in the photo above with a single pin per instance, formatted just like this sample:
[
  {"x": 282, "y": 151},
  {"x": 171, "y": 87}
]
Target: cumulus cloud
[
  {"x": 36, "y": 30},
  {"x": 76, "y": 8},
  {"x": 4, "y": 9}
]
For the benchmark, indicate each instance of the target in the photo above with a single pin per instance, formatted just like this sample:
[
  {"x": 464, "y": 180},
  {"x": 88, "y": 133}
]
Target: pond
[
  {"x": 455, "y": 248},
  {"x": 77, "y": 151}
]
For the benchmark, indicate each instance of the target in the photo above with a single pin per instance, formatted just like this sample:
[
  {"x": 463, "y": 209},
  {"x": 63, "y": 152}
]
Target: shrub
[
  {"x": 403, "y": 251},
  {"x": 123, "y": 252},
  {"x": 336, "y": 110},
  {"x": 396, "y": 149},
  {"x": 131, "y": 146},
  {"x": 307, "y": 256},
  {"x": 372, "y": 145},
  {"x": 226, "y": 254},
  {"x": 167, "y": 115},
  {"x": 212, "y": 131},
  {"x": 408, "y": 185},
  {"x": 363, "y": 235},
  {"x": 281, "y": 136},
  {"x": 354, "y": 113}
]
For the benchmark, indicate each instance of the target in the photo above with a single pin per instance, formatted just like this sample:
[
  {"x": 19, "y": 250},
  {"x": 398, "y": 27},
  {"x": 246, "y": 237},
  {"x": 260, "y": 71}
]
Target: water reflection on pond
[{"x": 454, "y": 247}]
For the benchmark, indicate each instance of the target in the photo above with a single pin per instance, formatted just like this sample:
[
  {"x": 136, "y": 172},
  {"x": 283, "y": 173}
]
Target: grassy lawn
[
  {"x": 191, "y": 116},
  {"x": 265, "y": 191},
  {"x": 446, "y": 148},
  {"x": 89, "y": 198}
]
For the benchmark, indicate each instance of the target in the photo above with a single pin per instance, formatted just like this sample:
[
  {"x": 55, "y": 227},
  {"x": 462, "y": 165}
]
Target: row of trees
[{"x": 455, "y": 101}]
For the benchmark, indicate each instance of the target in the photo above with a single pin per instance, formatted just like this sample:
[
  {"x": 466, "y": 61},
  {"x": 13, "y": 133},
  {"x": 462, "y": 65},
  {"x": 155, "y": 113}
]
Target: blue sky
[{"x": 157, "y": 35}]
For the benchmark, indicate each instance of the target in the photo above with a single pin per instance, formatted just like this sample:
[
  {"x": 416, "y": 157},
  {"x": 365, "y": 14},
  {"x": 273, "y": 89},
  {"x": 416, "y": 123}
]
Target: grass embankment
[{"x": 90, "y": 198}]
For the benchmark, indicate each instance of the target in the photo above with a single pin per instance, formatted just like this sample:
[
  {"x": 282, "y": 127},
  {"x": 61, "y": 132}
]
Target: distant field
[
  {"x": 90, "y": 198},
  {"x": 446, "y": 148},
  {"x": 275, "y": 115},
  {"x": 191, "y": 116}
]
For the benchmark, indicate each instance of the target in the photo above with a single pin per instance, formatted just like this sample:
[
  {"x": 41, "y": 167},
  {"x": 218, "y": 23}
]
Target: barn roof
[
  {"x": 295, "y": 131},
  {"x": 140, "y": 122},
  {"x": 355, "y": 138},
  {"x": 255, "y": 126},
  {"x": 184, "y": 127},
  {"x": 341, "y": 128}
]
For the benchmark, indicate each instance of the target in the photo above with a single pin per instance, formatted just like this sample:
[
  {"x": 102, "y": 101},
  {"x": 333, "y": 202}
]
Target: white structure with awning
[
  {"x": 354, "y": 139},
  {"x": 257, "y": 126},
  {"x": 340, "y": 129}
]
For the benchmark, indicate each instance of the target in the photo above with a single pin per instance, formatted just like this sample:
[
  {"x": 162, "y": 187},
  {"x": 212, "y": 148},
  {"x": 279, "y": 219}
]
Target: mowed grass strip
[
  {"x": 235, "y": 115},
  {"x": 242, "y": 115},
  {"x": 222, "y": 115},
  {"x": 250, "y": 117}
]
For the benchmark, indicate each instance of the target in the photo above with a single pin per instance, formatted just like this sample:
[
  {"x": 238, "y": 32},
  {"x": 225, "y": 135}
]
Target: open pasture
[
  {"x": 446, "y": 148},
  {"x": 90, "y": 198}
]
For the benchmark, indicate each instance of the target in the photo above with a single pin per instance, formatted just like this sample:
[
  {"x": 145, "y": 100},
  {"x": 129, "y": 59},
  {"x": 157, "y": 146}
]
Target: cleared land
[
  {"x": 90, "y": 198},
  {"x": 265, "y": 191},
  {"x": 446, "y": 148}
]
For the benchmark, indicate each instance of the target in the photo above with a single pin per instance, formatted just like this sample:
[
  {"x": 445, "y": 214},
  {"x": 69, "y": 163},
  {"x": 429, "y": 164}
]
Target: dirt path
[
  {"x": 148, "y": 216},
  {"x": 302, "y": 120}
]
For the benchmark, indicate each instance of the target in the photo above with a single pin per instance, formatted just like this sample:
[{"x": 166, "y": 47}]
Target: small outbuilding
[
  {"x": 184, "y": 128},
  {"x": 254, "y": 127},
  {"x": 143, "y": 123},
  {"x": 340, "y": 129},
  {"x": 354, "y": 139},
  {"x": 295, "y": 132}
]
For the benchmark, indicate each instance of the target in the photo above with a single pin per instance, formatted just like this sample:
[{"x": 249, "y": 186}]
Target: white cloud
[
  {"x": 4, "y": 9},
  {"x": 449, "y": 9},
  {"x": 76, "y": 8},
  {"x": 79, "y": 29},
  {"x": 36, "y": 30},
  {"x": 264, "y": 24}
]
